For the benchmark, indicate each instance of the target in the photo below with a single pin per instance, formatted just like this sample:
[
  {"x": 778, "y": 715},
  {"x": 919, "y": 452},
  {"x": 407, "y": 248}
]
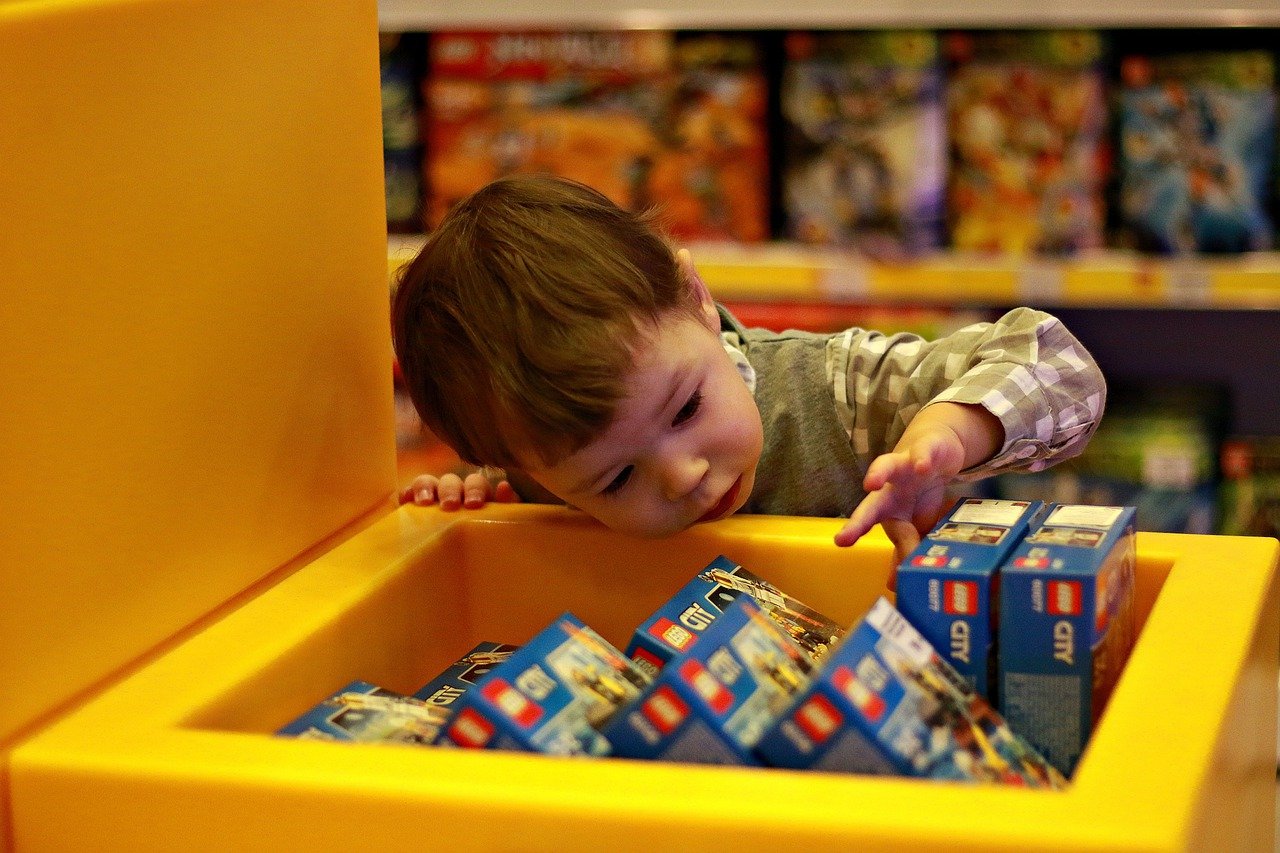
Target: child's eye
[
  {"x": 689, "y": 409},
  {"x": 616, "y": 484}
]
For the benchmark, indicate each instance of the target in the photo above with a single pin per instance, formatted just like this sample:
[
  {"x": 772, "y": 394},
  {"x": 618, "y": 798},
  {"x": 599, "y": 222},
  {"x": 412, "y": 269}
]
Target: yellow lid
[{"x": 194, "y": 356}]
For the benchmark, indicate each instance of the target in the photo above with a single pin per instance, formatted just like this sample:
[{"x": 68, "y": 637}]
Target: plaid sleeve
[{"x": 1025, "y": 368}]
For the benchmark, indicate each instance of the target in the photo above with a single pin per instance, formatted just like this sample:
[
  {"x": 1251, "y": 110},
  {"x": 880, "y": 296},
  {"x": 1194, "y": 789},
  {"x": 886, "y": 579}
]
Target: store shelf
[
  {"x": 406, "y": 15},
  {"x": 790, "y": 272}
]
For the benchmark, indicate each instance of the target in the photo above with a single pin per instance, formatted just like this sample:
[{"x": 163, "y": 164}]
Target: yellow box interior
[{"x": 179, "y": 756}]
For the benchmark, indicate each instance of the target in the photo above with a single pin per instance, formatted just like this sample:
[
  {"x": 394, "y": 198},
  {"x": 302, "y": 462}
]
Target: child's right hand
[{"x": 450, "y": 491}]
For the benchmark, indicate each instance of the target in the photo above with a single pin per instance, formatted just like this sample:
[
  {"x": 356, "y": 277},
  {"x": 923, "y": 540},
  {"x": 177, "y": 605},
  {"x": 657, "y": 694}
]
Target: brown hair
[{"x": 514, "y": 325}]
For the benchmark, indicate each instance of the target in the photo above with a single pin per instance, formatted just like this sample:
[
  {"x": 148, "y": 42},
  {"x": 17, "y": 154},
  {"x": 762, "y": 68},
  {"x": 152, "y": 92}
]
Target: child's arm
[{"x": 1015, "y": 395}]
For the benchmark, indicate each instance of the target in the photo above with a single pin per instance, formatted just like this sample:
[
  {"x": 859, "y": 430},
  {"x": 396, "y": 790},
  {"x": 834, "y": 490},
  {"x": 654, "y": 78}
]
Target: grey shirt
[{"x": 831, "y": 403}]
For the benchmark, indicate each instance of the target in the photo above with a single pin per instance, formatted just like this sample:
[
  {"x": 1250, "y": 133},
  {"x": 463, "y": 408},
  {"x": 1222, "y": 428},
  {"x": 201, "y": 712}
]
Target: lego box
[
  {"x": 366, "y": 713},
  {"x": 672, "y": 629},
  {"x": 885, "y": 702},
  {"x": 450, "y": 685},
  {"x": 1066, "y": 625},
  {"x": 552, "y": 695},
  {"x": 947, "y": 586},
  {"x": 711, "y": 705}
]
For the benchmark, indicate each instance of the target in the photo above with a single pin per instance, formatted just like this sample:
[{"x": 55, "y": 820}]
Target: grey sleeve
[{"x": 1025, "y": 368}]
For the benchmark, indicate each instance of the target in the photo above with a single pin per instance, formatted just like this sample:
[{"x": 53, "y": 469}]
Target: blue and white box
[
  {"x": 947, "y": 586},
  {"x": 463, "y": 674},
  {"x": 672, "y": 629},
  {"x": 551, "y": 695},
  {"x": 884, "y": 702},
  {"x": 366, "y": 713},
  {"x": 712, "y": 704},
  {"x": 1066, "y": 625}
]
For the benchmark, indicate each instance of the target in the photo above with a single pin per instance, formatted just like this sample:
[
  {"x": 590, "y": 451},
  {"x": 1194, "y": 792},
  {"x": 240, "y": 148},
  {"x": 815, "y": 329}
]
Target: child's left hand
[{"x": 906, "y": 488}]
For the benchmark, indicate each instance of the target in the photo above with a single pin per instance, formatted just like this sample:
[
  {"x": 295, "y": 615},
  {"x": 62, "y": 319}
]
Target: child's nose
[{"x": 682, "y": 475}]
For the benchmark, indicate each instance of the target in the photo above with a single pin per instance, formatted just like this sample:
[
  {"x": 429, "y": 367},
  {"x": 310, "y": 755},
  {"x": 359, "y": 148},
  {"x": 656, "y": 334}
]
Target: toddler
[{"x": 547, "y": 332}]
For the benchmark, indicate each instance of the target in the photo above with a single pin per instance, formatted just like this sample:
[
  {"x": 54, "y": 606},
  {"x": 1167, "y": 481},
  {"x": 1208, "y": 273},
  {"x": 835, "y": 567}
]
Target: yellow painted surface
[
  {"x": 179, "y": 756},
  {"x": 194, "y": 360}
]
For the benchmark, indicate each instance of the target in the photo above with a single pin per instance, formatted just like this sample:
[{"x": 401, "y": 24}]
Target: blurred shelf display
[
  {"x": 671, "y": 14},
  {"x": 797, "y": 273}
]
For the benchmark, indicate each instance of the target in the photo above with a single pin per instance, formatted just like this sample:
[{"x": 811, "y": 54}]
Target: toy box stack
[
  {"x": 551, "y": 695},
  {"x": 672, "y": 629},
  {"x": 1197, "y": 146},
  {"x": 367, "y": 713},
  {"x": 643, "y": 117},
  {"x": 1026, "y": 115},
  {"x": 884, "y": 702},
  {"x": 1066, "y": 625},
  {"x": 947, "y": 586},
  {"x": 865, "y": 141},
  {"x": 712, "y": 704}
]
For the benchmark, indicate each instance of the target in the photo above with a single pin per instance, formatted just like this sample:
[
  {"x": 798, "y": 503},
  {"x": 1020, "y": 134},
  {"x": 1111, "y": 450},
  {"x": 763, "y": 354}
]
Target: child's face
[{"x": 683, "y": 446}]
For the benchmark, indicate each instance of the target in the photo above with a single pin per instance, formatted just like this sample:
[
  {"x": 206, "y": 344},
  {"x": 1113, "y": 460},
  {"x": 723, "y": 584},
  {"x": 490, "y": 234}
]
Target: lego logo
[
  {"x": 512, "y": 702},
  {"x": 665, "y": 710},
  {"x": 707, "y": 686},
  {"x": 818, "y": 718},
  {"x": 960, "y": 597},
  {"x": 1064, "y": 598},
  {"x": 672, "y": 634},
  {"x": 1031, "y": 562},
  {"x": 471, "y": 729},
  {"x": 929, "y": 562},
  {"x": 868, "y": 703}
]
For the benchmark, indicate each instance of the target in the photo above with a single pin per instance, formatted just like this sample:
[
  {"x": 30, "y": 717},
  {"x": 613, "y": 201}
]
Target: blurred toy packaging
[
  {"x": 1197, "y": 145},
  {"x": 1250, "y": 493},
  {"x": 886, "y": 703},
  {"x": 640, "y": 116},
  {"x": 1066, "y": 625},
  {"x": 674, "y": 627},
  {"x": 551, "y": 695},
  {"x": 367, "y": 713},
  {"x": 712, "y": 704},
  {"x": 401, "y": 152},
  {"x": 1026, "y": 118},
  {"x": 450, "y": 685},
  {"x": 1156, "y": 449},
  {"x": 946, "y": 587},
  {"x": 864, "y": 145}
]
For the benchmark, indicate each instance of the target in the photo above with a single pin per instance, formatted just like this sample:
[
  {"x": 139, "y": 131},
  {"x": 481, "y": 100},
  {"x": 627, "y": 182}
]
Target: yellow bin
[
  {"x": 200, "y": 540},
  {"x": 178, "y": 756}
]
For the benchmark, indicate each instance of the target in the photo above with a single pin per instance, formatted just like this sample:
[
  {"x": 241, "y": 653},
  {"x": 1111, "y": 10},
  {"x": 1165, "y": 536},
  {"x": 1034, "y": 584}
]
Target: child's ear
[{"x": 710, "y": 316}]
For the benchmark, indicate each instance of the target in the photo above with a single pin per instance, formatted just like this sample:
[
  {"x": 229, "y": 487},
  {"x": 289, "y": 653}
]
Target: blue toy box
[
  {"x": 947, "y": 586},
  {"x": 449, "y": 686},
  {"x": 671, "y": 630},
  {"x": 711, "y": 705},
  {"x": 1066, "y": 625},
  {"x": 551, "y": 695},
  {"x": 885, "y": 702},
  {"x": 367, "y": 713}
]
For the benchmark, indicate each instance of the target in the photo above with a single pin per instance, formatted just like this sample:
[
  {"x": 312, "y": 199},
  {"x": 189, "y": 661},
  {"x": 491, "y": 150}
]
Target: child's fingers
[
  {"x": 422, "y": 491},
  {"x": 449, "y": 492},
  {"x": 503, "y": 493},
  {"x": 886, "y": 468},
  {"x": 475, "y": 490}
]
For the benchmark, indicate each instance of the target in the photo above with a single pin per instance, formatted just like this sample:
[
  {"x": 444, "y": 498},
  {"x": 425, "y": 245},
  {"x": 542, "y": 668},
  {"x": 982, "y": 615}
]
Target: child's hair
[{"x": 514, "y": 325}]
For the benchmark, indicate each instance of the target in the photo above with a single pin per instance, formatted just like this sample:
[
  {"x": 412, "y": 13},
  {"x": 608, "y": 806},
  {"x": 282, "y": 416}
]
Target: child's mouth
[{"x": 724, "y": 504}]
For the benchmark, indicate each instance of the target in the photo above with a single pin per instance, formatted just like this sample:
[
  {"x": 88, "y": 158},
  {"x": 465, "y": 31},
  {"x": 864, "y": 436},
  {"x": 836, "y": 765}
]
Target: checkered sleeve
[{"x": 1025, "y": 368}]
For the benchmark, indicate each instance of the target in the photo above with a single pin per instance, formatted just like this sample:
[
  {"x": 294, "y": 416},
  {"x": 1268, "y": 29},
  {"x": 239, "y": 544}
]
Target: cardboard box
[
  {"x": 551, "y": 695},
  {"x": 1066, "y": 625},
  {"x": 672, "y": 629},
  {"x": 450, "y": 685},
  {"x": 947, "y": 586},
  {"x": 367, "y": 713},
  {"x": 885, "y": 702},
  {"x": 712, "y": 704}
]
